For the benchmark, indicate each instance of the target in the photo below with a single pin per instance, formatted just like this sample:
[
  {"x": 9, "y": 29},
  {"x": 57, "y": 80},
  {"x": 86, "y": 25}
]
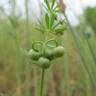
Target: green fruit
[
  {"x": 33, "y": 54},
  {"x": 58, "y": 51},
  {"x": 44, "y": 62},
  {"x": 49, "y": 54}
]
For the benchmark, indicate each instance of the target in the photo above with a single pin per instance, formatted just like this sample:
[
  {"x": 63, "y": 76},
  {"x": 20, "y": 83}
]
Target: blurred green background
[{"x": 66, "y": 77}]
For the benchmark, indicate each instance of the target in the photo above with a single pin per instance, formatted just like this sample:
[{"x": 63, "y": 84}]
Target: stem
[
  {"x": 27, "y": 82},
  {"x": 42, "y": 82},
  {"x": 91, "y": 50},
  {"x": 88, "y": 86},
  {"x": 41, "y": 11},
  {"x": 18, "y": 59},
  {"x": 27, "y": 21},
  {"x": 18, "y": 55},
  {"x": 67, "y": 77}
]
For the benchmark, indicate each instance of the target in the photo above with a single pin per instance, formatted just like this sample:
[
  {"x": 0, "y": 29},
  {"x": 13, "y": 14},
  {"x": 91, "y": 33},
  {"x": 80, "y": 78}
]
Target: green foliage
[
  {"x": 90, "y": 15},
  {"x": 50, "y": 22}
]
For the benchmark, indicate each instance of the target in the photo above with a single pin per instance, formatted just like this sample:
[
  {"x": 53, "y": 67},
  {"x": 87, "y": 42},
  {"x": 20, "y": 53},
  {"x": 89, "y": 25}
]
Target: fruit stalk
[{"x": 42, "y": 82}]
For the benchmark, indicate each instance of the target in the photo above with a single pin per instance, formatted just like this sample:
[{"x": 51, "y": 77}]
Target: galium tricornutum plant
[{"x": 43, "y": 52}]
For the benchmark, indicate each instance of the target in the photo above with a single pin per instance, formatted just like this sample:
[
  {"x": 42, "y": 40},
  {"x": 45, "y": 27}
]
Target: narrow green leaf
[
  {"x": 47, "y": 20},
  {"x": 52, "y": 20},
  {"x": 40, "y": 29},
  {"x": 47, "y": 4},
  {"x": 53, "y": 2},
  {"x": 56, "y": 25},
  {"x": 13, "y": 21},
  {"x": 60, "y": 30}
]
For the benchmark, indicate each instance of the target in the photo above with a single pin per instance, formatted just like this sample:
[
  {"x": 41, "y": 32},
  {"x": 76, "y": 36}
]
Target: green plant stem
[
  {"x": 88, "y": 71},
  {"x": 18, "y": 50},
  {"x": 27, "y": 21},
  {"x": 27, "y": 82},
  {"x": 42, "y": 82},
  {"x": 40, "y": 6},
  {"x": 67, "y": 77},
  {"x": 91, "y": 50},
  {"x": 88, "y": 86},
  {"x": 18, "y": 59}
]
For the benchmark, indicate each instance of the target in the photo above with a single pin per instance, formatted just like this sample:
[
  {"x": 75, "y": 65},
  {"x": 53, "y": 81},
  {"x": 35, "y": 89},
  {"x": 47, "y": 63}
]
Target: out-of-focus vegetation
[
  {"x": 66, "y": 77},
  {"x": 90, "y": 14}
]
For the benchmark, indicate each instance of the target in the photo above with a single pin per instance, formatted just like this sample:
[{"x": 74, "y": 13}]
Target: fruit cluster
[{"x": 45, "y": 56}]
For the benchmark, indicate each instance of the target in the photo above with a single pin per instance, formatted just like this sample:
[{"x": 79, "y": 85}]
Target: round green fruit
[
  {"x": 33, "y": 54},
  {"x": 58, "y": 51},
  {"x": 49, "y": 54},
  {"x": 44, "y": 62}
]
